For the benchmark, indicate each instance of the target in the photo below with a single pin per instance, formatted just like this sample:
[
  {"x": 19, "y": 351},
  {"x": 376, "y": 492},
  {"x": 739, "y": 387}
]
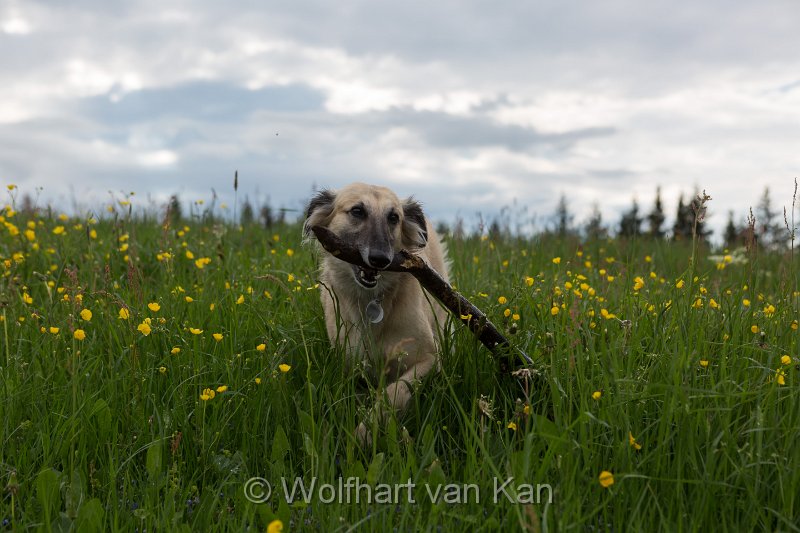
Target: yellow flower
[
  {"x": 786, "y": 360},
  {"x": 605, "y": 314},
  {"x": 284, "y": 367},
  {"x": 195, "y": 331},
  {"x": 58, "y": 230},
  {"x": 754, "y": 328},
  {"x": 746, "y": 302},
  {"x": 154, "y": 307},
  {"x": 189, "y": 299},
  {"x": 512, "y": 426},
  {"x": 606, "y": 479},
  {"x": 507, "y": 313},
  {"x": 162, "y": 369},
  {"x": 217, "y": 336},
  {"x": 556, "y": 260},
  {"x": 596, "y": 395},
  {"x": 258, "y": 381},
  {"x": 208, "y": 394},
  {"x": 240, "y": 299},
  {"x": 290, "y": 252},
  {"x": 526, "y": 409},
  {"x": 27, "y": 298},
  {"x": 680, "y": 284},
  {"x": 632, "y": 442},
  {"x": 466, "y": 317},
  {"x": 781, "y": 377},
  {"x": 515, "y": 316},
  {"x": 189, "y": 254},
  {"x": 144, "y": 328},
  {"x": 261, "y": 347},
  {"x": 79, "y": 334},
  {"x": 86, "y": 315},
  {"x": 794, "y": 325},
  {"x": 704, "y": 363},
  {"x": 554, "y": 310},
  {"x": 502, "y": 300},
  {"x": 713, "y": 304},
  {"x": 638, "y": 283},
  {"x": 276, "y": 526},
  {"x": 54, "y": 330},
  {"x": 175, "y": 351},
  {"x": 647, "y": 259},
  {"x": 222, "y": 388},
  {"x": 30, "y": 235},
  {"x": 698, "y": 303},
  {"x": 124, "y": 314},
  {"x": 529, "y": 281}
]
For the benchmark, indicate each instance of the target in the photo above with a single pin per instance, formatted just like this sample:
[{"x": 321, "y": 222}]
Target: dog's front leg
[{"x": 397, "y": 395}]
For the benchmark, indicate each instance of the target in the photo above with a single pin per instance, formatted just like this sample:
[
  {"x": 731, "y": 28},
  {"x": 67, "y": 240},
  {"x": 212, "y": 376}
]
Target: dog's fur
[{"x": 404, "y": 345}]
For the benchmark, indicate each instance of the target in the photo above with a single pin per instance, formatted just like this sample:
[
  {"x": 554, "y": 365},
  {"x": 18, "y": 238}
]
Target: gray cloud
[
  {"x": 200, "y": 100},
  {"x": 446, "y": 130}
]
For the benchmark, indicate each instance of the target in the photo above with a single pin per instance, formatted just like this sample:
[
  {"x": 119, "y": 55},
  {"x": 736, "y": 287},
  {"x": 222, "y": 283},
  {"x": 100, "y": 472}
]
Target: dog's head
[{"x": 374, "y": 219}]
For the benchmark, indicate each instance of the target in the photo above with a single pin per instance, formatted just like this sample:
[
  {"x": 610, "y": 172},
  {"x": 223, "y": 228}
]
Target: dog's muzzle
[{"x": 366, "y": 277}]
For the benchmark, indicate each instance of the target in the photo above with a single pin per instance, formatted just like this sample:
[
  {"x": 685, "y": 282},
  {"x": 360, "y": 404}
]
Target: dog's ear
[
  {"x": 319, "y": 210},
  {"x": 415, "y": 227}
]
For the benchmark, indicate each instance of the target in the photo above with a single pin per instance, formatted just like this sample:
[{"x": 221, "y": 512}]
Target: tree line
[{"x": 765, "y": 226}]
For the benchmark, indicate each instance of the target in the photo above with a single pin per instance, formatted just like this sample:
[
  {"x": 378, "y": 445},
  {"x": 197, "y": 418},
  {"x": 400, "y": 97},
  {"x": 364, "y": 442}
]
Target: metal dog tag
[{"x": 374, "y": 311}]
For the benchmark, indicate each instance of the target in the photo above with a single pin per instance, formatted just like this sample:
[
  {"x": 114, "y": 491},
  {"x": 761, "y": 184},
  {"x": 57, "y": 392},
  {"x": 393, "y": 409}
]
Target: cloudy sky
[{"x": 469, "y": 105}]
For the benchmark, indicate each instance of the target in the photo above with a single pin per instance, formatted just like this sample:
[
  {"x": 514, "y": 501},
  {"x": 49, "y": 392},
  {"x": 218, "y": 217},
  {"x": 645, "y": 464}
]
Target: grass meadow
[{"x": 151, "y": 369}]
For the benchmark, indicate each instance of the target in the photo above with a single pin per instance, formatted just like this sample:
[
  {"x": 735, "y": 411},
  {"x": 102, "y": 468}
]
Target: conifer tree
[
  {"x": 656, "y": 218},
  {"x": 631, "y": 222},
  {"x": 682, "y": 229},
  {"x": 770, "y": 232},
  {"x": 563, "y": 217},
  {"x": 594, "y": 228},
  {"x": 174, "y": 210},
  {"x": 248, "y": 215},
  {"x": 731, "y": 232}
]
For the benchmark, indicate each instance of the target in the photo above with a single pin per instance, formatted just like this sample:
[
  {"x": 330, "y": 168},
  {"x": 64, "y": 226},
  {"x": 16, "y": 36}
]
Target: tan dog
[{"x": 382, "y": 318}]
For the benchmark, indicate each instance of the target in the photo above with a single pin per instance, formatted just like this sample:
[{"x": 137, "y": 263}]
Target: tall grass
[{"x": 678, "y": 378}]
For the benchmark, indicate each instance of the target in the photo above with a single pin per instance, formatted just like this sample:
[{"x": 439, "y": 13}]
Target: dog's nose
[{"x": 379, "y": 261}]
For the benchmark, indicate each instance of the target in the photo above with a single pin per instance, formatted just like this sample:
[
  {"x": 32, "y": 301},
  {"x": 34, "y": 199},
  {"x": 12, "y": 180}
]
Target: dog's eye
[
  {"x": 393, "y": 218},
  {"x": 358, "y": 212}
]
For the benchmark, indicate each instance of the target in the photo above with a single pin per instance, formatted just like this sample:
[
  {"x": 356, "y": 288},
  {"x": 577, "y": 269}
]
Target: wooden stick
[{"x": 455, "y": 302}]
